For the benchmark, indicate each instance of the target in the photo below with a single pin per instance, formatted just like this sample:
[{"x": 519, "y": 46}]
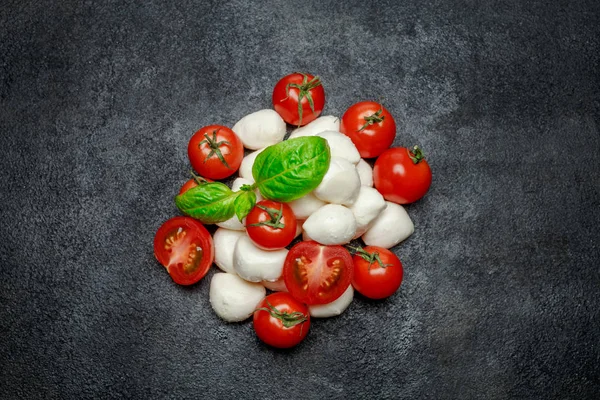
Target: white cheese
[
  {"x": 254, "y": 264},
  {"x": 260, "y": 129},
  {"x": 391, "y": 227},
  {"x": 234, "y": 299},
  {"x": 330, "y": 224},
  {"x": 334, "y": 308},
  {"x": 341, "y": 183}
]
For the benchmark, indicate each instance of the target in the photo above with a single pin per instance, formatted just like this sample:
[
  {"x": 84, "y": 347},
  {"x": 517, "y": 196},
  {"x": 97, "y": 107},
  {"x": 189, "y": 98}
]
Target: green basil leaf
[
  {"x": 291, "y": 169},
  {"x": 210, "y": 203},
  {"x": 243, "y": 203}
]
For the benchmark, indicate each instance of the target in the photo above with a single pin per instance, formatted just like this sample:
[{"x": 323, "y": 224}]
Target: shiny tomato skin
[
  {"x": 317, "y": 274},
  {"x": 286, "y": 102},
  {"x": 374, "y": 281},
  {"x": 271, "y": 330},
  {"x": 398, "y": 178},
  {"x": 223, "y": 140},
  {"x": 373, "y": 139},
  {"x": 270, "y": 237},
  {"x": 190, "y": 183},
  {"x": 185, "y": 248}
]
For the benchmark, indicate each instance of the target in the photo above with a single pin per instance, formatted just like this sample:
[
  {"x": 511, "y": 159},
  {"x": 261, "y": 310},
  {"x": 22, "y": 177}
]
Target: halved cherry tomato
[
  {"x": 271, "y": 225},
  {"x": 281, "y": 321},
  {"x": 370, "y": 126},
  {"x": 215, "y": 151},
  {"x": 190, "y": 183},
  {"x": 185, "y": 248},
  {"x": 299, "y": 98},
  {"x": 377, "y": 272},
  {"x": 317, "y": 274},
  {"x": 402, "y": 175}
]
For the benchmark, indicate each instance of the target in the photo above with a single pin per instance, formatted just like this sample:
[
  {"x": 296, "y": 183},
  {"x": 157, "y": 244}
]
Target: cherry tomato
[
  {"x": 271, "y": 225},
  {"x": 215, "y": 151},
  {"x": 299, "y": 98},
  {"x": 281, "y": 321},
  {"x": 370, "y": 126},
  {"x": 377, "y": 272},
  {"x": 192, "y": 183},
  {"x": 402, "y": 175},
  {"x": 185, "y": 248},
  {"x": 317, "y": 274}
]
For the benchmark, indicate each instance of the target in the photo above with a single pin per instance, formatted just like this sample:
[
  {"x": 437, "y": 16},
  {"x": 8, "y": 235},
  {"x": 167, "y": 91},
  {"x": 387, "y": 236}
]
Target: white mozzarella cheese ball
[
  {"x": 334, "y": 308},
  {"x": 391, "y": 227},
  {"x": 341, "y": 183},
  {"x": 368, "y": 205},
  {"x": 275, "y": 286},
  {"x": 254, "y": 264},
  {"x": 365, "y": 173},
  {"x": 306, "y": 205},
  {"x": 225, "y": 240},
  {"x": 331, "y": 224},
  {"x": 234, "y": 223},
  {"x": 234, "y": 299},
  {"x": 245, "y": 170},
  {"x": 260, "y": 129},
  {"x": 340, "y": 145},
  {"x": 321, "y": 124}
]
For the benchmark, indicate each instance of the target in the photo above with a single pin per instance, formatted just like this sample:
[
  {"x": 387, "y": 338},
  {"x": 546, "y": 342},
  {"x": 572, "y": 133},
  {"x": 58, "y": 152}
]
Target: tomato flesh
[
  {"x": 317, "y": 274},
  {"x": 185, "y": 248}
]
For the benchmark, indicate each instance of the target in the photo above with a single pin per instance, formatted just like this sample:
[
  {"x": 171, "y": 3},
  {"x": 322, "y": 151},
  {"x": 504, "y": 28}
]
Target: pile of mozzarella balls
[{"x": 344, "y": 207}]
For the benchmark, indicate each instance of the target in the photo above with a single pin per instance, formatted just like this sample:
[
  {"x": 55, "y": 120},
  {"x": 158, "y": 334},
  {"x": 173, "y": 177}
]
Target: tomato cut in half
[
  {"x": 317, "y": 274},
  {"x": 281, "y": 321},
  {"x": 377, "y": 272},
  {"x": 185, "y": 248}
]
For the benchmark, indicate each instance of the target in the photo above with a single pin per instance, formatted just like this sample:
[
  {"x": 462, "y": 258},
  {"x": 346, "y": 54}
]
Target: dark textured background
[{"x": 501, "y": 292}]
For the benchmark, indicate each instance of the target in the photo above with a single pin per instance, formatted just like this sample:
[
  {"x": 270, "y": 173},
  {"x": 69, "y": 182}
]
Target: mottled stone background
[{"x": 98, "y": 100}]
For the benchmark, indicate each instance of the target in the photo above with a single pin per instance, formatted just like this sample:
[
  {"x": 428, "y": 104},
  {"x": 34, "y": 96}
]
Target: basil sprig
[{"x": 283, "y": 172}]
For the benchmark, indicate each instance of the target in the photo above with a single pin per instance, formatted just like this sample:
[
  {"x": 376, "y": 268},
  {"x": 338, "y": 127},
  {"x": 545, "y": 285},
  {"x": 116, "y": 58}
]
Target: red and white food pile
[{"x": 287, "y": 222}]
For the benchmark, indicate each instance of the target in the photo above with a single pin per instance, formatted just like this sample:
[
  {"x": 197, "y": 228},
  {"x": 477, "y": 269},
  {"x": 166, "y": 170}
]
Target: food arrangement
[{"x": 291, "y": 220}]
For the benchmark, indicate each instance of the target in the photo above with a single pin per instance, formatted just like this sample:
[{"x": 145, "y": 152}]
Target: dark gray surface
[{"x": 500, "y": 298}]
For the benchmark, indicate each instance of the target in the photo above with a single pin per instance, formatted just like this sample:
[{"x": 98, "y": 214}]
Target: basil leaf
[
  {"x": 210, "y": 203},
  {"x": 291, "y": 169},
  {"x": 243, "y": 203}
]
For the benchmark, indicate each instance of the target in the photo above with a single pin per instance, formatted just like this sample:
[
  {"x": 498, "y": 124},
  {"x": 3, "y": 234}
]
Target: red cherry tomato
[
  {"x": 271, "y": 225},
  {"x": 281, "y": 321},
  {"x": 215, "y": 151},
  {"x": 185, "y": 248},
  {"x": 377, "y": 272},
  {"x": 370, "y": 126},
  {"x": 192, "y": 183},
  {"x": 402, "y": 175},
  {"x": 317, "y": 274},
  {"x": 299, "y": 98}
]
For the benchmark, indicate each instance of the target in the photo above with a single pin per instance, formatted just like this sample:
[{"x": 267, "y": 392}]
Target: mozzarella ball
[
  {"x": 254, "y": 264},
  {"x": 306, "y": 205},
  {"x": 391, "y": 227},
  {"x": 225, "y": 240},
  {"x": 234, "y": 223},
  {"x": 331, "y": 224},
  {"x": 275, "y": 286},
  {"x": 340, "y": 145},
  {"x": 368, "y": 205},
  {"x": 234, "y": 299},
  {"x": 365, "y": 173},
  {"x": 245, "y": 170},
  {"x": 334, "y": 308},
  {"x": 260, "y": 129},
  {"x": 321, "y": 124},
  {"x": 341, "y": 183}
]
